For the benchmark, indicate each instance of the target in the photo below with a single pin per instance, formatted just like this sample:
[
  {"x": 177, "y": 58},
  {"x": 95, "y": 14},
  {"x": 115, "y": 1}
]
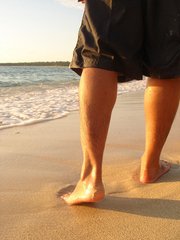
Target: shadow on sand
[{"x": 157, "y": 208}]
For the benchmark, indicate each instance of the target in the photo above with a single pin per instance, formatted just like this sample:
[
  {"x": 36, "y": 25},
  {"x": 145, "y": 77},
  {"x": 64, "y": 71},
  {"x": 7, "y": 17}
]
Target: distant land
[{"x": 54, "y": 64}]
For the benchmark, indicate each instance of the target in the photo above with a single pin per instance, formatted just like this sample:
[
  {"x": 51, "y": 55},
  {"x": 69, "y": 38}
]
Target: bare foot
[
  {"x": 84, "y": 193},
  {"x": 153, "y": 174}
]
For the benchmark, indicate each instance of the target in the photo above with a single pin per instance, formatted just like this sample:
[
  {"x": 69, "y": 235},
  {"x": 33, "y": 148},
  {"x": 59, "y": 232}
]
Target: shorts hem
[
  {"x": 123, "y": 75},
  {"x": 78, "y": 68}
]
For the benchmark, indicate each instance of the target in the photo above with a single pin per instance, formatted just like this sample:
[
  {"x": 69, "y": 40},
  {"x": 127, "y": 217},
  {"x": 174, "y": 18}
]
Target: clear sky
[{"x": 38, "y": 30}]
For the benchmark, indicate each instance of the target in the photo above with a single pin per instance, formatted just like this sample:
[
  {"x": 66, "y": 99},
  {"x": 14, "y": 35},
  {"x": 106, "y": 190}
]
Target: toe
[
  {"x": 65, "y": 196},
  {"x": 165, "y": 165}
]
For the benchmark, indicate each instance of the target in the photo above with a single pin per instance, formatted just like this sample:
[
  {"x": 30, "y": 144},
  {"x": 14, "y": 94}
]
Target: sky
[{"x": 38, "y": 30}]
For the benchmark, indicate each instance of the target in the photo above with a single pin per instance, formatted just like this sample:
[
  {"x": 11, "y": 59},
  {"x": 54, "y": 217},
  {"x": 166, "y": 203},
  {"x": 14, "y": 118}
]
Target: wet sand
[{"x": 39, "y": 162}]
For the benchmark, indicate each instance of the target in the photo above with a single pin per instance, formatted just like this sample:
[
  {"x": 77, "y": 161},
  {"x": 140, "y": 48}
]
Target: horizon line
[{"x": 35, "y": 62}]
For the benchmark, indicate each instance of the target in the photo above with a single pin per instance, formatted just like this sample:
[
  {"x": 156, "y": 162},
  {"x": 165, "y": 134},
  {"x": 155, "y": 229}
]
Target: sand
[{"x": 38, "y": 162}]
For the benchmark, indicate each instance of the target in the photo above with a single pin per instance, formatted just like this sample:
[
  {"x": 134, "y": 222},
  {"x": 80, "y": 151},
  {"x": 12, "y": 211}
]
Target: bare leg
[
  {"x": 161, "y": 103},
  {"x": 97, "y": 93}
]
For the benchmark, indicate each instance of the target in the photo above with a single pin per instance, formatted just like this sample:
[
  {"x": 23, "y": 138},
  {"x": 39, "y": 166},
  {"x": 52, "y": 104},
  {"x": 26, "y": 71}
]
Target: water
[{"x": 35, "y": 94}]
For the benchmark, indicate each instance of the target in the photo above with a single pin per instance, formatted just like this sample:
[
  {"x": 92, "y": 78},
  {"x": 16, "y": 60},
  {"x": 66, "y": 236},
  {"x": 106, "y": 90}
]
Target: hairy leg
[
  {"x": 97, "y": 95},
  {"x": 161, "y": 103}
]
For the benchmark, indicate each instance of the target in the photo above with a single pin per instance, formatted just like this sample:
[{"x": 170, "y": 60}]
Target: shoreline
[
  {"x": 37, "y": 121},
  {"x": 40, "y": 161}
]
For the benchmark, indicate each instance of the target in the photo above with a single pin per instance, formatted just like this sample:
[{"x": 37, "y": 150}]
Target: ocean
[{"x": 36, "y": 94}]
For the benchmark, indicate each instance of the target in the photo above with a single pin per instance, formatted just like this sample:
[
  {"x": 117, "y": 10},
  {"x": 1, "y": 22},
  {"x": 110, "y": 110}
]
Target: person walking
[{"x": 119, "y": 41}]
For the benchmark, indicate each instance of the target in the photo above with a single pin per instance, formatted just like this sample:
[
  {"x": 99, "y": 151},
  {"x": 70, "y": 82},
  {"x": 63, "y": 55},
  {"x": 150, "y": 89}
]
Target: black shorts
[{"x": 131, "y": 37}]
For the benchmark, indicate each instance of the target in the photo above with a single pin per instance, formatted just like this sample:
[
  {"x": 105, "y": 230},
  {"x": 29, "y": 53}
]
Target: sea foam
[{"x": 31, "y": 103}]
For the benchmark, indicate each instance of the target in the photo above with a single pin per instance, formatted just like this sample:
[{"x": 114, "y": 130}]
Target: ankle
[
  {"x": 94, "y": 177},
  {"x": 149, "y": 162}
]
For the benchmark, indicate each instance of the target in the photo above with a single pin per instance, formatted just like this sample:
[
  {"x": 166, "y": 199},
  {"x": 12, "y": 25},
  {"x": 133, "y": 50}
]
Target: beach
[{"x": 39, "y": 162}]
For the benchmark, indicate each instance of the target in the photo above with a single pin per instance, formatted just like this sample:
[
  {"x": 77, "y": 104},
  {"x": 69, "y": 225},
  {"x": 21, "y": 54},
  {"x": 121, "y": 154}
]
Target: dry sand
[{"x": 38, "y": 162}]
